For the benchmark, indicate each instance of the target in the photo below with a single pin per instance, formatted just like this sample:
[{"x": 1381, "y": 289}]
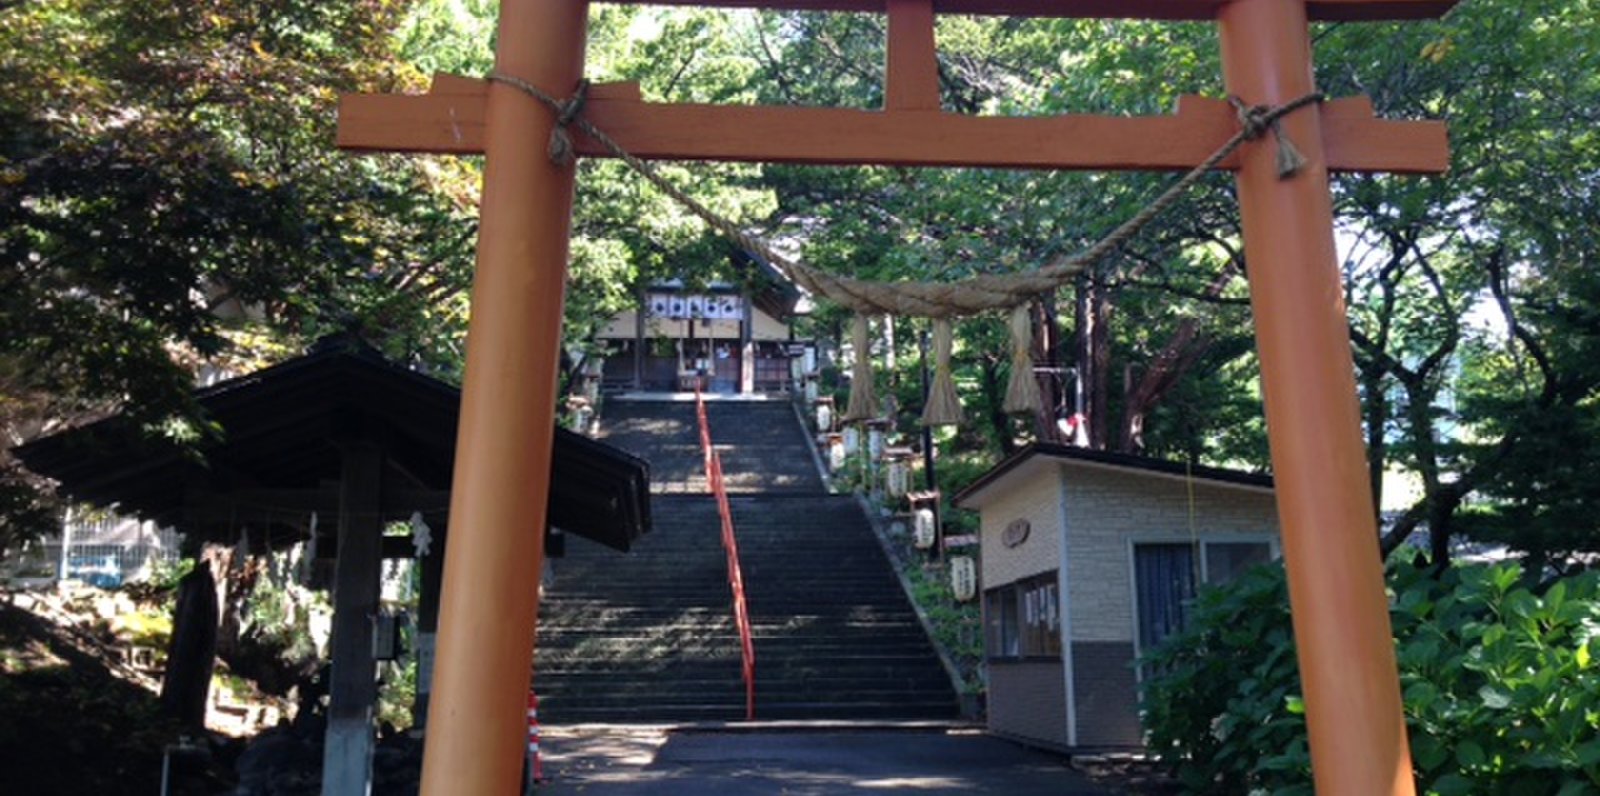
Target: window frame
[
  {"x": 1275, "y": 554},
  {"x": 1030, "y": 640}
]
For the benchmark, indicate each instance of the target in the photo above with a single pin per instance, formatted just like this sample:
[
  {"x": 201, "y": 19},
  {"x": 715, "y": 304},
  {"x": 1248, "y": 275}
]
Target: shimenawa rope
[{"x": 936, "y": 300}]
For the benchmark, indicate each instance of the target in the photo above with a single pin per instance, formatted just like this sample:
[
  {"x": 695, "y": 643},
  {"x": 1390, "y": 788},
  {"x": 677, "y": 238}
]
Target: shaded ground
[
  {"x": 646, "y": 761},
  {"x": 71, "y": 722}
]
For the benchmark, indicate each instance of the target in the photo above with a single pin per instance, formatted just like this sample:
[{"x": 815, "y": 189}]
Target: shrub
[{"x": 1502, "y": 692}]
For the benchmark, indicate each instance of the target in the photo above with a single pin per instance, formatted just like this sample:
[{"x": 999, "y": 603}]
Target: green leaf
[
  {"x": 1589, "y": 754},
  {"x": 1574, "y": 788},
  {"x": 1427, "y": 753},
  {"x": 1470, "y": 755},
  {"x": 1453, "y": 785},
  {"x": 1494, "y": 697}
]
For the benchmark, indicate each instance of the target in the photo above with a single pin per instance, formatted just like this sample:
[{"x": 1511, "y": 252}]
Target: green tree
[{"x": 170, "y": 198}]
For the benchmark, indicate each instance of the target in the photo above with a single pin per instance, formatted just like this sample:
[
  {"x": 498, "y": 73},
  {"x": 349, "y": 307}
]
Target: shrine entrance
[{"x": 1345, "y": 647}]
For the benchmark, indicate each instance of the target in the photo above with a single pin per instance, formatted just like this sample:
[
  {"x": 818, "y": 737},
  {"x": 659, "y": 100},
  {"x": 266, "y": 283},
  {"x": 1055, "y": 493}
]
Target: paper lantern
[
  {"x": 824, "y": 417},
  {"x": 852, "y": 439},
  {"x": 811, "y": 390},
  {"x": 875, "y": 441},
  {"x": 963, "y": 577},
  {"x": 581, "y": 415},
  {"x": 898, "y": 477},
  {"x": 835, "y": 453},
  {"x": 924, "y": 529}
]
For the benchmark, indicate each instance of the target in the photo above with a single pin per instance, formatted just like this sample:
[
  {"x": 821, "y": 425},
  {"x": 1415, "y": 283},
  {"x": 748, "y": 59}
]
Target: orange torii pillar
[
  {"x": 499, "y": 494},
  {"x": 1343, "y": 639},
  {"x": 489, "y": 605}
]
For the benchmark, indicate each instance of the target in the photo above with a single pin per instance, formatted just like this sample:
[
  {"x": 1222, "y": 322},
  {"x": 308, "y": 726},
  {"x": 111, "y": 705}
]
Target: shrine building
[{"x": 740, "y": 338}]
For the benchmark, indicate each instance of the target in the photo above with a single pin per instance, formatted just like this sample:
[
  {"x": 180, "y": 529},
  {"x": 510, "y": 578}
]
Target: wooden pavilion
[{"x": 345, "y": 435}]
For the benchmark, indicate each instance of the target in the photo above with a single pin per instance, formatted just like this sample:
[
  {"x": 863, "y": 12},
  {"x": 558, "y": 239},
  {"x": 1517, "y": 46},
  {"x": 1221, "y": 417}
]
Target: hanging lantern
[
  {"x": 875, "y": 436},
  {"x": 811, "y": 389},
  {"x": 963, "y": 578},
  {"x": 579, "y": 413},
  {"x": 835, "y": 452},
  {"x": 924, "y": 529},
  {"x": 825, "y": 416},
  {"x": 852, "y": 439},
  {"x": 897, "y": 476}
]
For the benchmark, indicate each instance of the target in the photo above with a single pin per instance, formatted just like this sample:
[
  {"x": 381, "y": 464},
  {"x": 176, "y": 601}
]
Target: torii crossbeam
[{"x": 484, "y": 649}]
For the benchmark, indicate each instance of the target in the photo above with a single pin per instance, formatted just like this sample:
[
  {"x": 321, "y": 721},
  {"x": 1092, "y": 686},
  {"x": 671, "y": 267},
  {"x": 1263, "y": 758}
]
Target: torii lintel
[
  {"x": 1316, "y": 10},
  {"x": 449, "y": 119},
  {"x": 911, "y": 130}
]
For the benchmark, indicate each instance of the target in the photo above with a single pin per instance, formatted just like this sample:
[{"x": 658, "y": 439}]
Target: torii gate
[{"x": 490, "y": 603}]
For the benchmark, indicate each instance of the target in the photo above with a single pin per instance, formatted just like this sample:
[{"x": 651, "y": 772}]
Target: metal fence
[{"x": 98, "y": 548}]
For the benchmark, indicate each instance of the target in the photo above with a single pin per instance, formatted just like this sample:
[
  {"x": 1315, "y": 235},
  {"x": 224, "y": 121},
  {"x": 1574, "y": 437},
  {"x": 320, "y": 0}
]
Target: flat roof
[{"x": 1106, "y": 459}]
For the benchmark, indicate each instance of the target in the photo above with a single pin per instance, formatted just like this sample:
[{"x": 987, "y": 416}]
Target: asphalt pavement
[{"x": 639, "y": 761}]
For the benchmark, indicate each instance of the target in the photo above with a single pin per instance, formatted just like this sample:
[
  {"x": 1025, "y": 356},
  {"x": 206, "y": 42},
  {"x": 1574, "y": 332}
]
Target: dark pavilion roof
[{"x": 282, "y": 428}]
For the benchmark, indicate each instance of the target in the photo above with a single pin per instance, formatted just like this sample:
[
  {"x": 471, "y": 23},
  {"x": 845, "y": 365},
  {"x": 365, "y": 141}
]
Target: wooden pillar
[
  {"x": 912, "y": 69},
  {"x": 353, "y": 688},
  {"x": 490, "y": 599},
  {"x": 192, "y": 650},
  {"x": 638, "y": 340},
  {"x": 747, "y": 348},
  {"x": 428, "y": 623},
  {"x": 1330, "y": 542}
]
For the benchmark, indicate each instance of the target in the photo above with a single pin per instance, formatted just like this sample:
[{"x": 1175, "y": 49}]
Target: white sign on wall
[{"x": 677, "y": 306}]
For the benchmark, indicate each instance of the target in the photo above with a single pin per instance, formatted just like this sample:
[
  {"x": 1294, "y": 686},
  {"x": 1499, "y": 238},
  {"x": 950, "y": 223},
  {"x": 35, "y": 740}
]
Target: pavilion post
[
  {"x": 1341, "y": 621},
  {"x": 489, "y": 600},
  {"x": 428, "y": 622},
  {"x": 353, "y": 687}
]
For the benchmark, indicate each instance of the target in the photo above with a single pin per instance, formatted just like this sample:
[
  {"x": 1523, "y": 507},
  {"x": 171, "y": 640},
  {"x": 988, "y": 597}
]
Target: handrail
[{"x": 741, "y": 611}]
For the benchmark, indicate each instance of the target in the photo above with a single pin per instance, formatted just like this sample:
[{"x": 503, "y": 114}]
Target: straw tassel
[
  {"x": 1022, "y": 391},
  {"x": 944, "y": 405},
  {"x": 863, "y": 398},
  {"x": 1289, "y": 159}
]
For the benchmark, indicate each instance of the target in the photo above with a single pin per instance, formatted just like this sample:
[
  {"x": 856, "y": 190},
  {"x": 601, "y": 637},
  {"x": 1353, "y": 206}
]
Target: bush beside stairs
[{"x": 649, "y": 636}]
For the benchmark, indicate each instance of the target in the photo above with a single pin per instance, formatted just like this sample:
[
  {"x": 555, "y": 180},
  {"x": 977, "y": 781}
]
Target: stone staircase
[{"x": 649, "y": 636}]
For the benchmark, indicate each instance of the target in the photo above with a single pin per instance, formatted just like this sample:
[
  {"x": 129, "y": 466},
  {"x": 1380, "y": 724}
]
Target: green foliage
[
  {"x": 1218, "y": 697},
  {"x": 1499, "y": 682},
  {"x": 279, "y": 617}
]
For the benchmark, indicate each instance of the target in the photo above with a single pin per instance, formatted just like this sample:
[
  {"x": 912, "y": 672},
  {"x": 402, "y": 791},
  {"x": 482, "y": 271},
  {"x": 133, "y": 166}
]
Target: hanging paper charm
[{"x": 421, "y": 535}]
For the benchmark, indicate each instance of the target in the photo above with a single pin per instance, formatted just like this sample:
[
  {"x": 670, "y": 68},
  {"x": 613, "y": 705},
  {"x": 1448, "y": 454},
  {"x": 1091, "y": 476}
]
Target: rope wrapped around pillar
[
  {"x": 944, "y": 405},
  {"x": 863, "y": 397},
  {"x": 1022, "y": 390}
]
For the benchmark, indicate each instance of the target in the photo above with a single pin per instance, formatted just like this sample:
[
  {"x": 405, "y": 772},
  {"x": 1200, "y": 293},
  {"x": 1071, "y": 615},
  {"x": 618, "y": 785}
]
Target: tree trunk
[
  {"x": 1046, "y": 353},
  {"x": 995, "y": 393},
  {"x": 1377, "y": 421},
  {"x": 1182, "y": 350},
  {"x": 1095, "y": 358}
]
